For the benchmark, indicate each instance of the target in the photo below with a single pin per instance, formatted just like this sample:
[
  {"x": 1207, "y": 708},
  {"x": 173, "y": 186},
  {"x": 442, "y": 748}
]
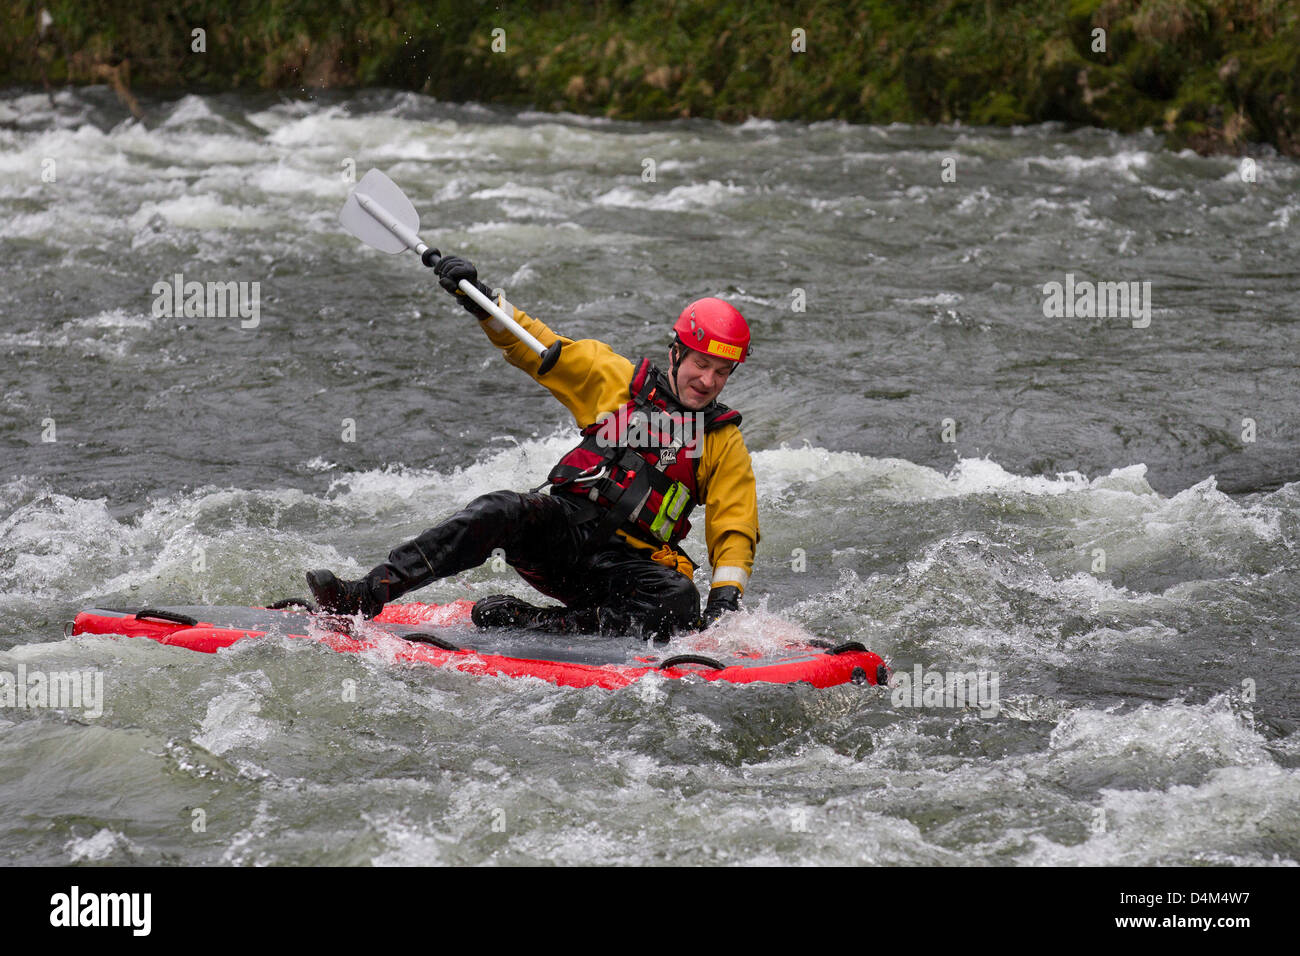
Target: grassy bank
[{"x": 1216, "y": 75}]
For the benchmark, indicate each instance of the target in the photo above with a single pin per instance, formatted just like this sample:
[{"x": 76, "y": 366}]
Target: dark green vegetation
[{"x": 1215, "y": 75}]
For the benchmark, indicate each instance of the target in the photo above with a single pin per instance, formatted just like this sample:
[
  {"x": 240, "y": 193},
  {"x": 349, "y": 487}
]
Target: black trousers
[{"x": 612, "y": 589}]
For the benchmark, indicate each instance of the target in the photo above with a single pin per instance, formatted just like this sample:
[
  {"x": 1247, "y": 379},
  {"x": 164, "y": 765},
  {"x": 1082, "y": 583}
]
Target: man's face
[{"x": 700, "y": 378}]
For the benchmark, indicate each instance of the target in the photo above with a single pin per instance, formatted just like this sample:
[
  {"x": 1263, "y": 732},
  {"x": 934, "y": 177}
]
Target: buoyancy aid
[{"x": 637, "y": 463}]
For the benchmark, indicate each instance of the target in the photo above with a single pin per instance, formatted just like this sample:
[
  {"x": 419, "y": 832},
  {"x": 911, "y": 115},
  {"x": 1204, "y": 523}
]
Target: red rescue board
[{"x": 441, "y": 635}]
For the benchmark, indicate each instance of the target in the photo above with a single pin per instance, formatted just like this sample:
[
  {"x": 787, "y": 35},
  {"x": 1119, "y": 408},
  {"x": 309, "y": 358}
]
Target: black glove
[
  {"x": 450, "y": 270},
  {"x": 724, "y": 598}
]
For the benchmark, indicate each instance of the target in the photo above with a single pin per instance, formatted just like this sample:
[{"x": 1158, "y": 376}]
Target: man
[{"x": 603, "y": 540}]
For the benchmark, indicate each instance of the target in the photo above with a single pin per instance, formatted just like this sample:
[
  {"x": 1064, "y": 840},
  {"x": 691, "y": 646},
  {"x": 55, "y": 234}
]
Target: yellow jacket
[{"x": 589, "y": 379}]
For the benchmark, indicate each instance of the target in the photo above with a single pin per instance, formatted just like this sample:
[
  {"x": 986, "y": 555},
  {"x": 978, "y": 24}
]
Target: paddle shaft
[{"x": 431, "y": 257}]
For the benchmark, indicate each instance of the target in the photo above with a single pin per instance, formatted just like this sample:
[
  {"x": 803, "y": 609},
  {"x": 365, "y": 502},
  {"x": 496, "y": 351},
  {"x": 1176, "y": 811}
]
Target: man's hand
[
  {"x": 724, "y": 598},
  {"x": 450, "y": 270}
]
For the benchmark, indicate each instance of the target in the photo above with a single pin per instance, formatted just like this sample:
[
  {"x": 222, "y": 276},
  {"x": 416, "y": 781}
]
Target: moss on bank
[{"x": 1216, "y": 75}]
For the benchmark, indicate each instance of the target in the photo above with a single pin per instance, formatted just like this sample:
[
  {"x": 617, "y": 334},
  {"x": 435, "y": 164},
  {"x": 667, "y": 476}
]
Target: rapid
[{"x": 1102, "y": 510}]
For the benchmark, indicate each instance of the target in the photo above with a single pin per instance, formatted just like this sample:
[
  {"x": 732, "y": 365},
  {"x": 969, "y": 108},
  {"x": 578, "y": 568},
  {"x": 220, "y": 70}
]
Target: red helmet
[{"x": 713, "y": 327}]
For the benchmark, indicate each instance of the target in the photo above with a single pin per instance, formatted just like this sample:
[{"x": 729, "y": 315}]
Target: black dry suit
[{"x": 633, "y": 471}]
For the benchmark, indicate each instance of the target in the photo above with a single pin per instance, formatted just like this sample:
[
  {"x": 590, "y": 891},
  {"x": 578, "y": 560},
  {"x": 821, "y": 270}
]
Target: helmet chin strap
[{"x": 675, "y": 355}]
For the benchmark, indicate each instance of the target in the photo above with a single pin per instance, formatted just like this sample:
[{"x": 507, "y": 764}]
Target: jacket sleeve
[
  {"x": 589, "y": 378},
  {"x": 730, "y": 497}
]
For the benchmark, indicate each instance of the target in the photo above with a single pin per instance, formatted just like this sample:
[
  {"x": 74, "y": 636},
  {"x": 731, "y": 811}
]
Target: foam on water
[
  {"x": 511, "y": 190},
  {"x": 188, "y": 110},
  {"x": 1125, "y": 163},
  {"x": 233, "y": 717},
  {"x": 752, "y": 631},
  {"x": 677, "y": 199},
  {"x": 203, "y": 211},
  {"x": 288, "y": 178},
  {"x": 110, "y": 335},
  {"x": 1122, "y": 496},
  {"x": 247, "y": 846},
  {"x": 103, "y": 846},
  {"x": 565, "y": 118},
  {"x": 209, "y": 546},
  {"x": 1178, "y": 783},
  {"x": 229, "y": 545}
]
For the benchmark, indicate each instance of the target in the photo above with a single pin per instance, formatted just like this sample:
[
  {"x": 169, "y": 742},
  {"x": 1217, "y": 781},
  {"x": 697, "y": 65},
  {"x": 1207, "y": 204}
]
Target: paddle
[{"x": 379, "y": 214}]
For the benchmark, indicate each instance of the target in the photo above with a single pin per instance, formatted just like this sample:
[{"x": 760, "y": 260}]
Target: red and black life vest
[{"x": 638, "y": 463}]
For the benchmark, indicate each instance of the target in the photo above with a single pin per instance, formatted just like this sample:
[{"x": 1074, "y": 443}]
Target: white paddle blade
[{"x": 370, "y": 227}]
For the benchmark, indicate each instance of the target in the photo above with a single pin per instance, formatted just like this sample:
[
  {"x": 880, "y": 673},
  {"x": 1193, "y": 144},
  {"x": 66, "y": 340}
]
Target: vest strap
[{"x": 619, "y": 480}]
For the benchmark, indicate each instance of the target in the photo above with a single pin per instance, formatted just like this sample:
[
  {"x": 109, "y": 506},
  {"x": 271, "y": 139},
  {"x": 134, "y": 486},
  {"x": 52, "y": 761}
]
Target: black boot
[
  {"x": 406, "y": 569},
  {"x": 367, "y": 596},
  {"x": 503, "y": 610}
]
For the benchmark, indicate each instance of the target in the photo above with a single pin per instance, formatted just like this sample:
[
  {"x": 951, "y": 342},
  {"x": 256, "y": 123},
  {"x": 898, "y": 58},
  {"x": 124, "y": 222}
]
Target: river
[{"x": 1095, "y": 502}]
